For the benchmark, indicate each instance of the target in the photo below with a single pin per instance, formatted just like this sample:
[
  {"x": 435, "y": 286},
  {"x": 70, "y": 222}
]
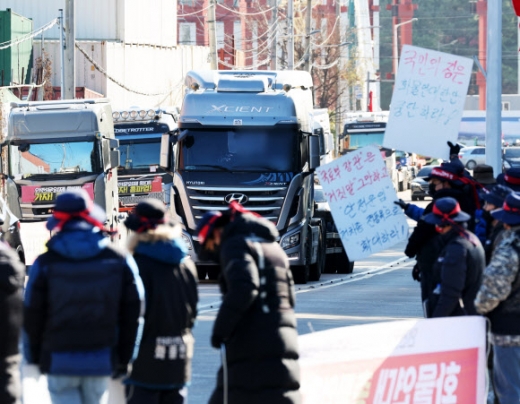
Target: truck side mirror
[
  {"x": 115, "y": 154},
  {"x": 314, "y": 152},
  {"x": 166, "y": 150},
  {"x": 115, "y": 158}
]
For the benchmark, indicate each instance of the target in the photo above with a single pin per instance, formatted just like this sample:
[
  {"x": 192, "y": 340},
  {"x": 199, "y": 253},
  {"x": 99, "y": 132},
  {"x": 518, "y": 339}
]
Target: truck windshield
[
  {"x": 53, "y": 158},
  {"x": 136, "y": 155},
  {"x": 358, "y": 140},
  {"x": 239, "y": 149}
]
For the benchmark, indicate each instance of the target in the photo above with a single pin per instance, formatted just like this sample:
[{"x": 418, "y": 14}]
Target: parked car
[
  {"x": 471, "y": 156},
  {"x": 419, "y": 185},
  {"x": 511, "y": 157}
]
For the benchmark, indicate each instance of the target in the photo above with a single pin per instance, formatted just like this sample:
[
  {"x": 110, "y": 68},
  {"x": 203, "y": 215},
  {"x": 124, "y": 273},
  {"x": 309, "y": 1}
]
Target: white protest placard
[
  {"x": 427, "y": 103},
  {"x": 412, "y": 361},
  {"x": 361, "y": 195}
]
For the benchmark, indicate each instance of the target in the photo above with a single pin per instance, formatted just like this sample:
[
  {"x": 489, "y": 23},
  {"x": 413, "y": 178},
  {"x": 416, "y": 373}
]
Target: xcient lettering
[{"x": 243, "y": 108}]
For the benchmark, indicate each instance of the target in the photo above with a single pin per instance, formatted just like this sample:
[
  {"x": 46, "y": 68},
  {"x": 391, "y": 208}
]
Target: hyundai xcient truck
[
  {"x": 246, "y": 136},
  {"x": 139, "y": 133},
  {"x": 52, "y": 147}
]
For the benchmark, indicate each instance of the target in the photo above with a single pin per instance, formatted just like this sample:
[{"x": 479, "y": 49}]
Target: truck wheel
[
  {"x": 344, "y": 265},
  {"x": 319, "y": 267},
  {"x": 201, "y": 272},
  {"x": 213, "y": 272},
  {"x": 300, "y": 273}
]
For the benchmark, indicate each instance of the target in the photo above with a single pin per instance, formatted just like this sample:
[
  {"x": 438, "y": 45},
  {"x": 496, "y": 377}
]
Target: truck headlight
[
  {"x": 290, "y": 241},
  {"x": 415, "y": 187},
  {"x": 187, "y": 241}
]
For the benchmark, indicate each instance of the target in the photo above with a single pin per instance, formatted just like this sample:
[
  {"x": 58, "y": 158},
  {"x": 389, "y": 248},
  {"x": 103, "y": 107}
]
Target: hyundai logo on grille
[{"x": 240, "y": 198}]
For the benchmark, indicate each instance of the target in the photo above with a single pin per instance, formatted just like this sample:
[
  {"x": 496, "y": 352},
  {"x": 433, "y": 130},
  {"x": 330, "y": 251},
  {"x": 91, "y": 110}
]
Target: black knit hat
[{"x": 148, "y": 214}]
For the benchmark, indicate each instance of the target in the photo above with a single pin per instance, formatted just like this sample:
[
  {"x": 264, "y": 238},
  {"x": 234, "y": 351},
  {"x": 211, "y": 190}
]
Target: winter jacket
[
  {"x": 170, "y": 283},
  {"x": 256, "y": 320},
  {"x": 424, "y": 242},
  {"x": 12, "y": 276},
  {"x": 499, "y": 294},
  {"x": 458, "y": 271},
  {"x": 83, "y": 306}
]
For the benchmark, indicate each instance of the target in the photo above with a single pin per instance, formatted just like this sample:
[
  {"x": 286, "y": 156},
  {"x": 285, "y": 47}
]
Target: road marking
[
  {"x": 390, "y": 267},
  {"x": 355, "y": 277}
]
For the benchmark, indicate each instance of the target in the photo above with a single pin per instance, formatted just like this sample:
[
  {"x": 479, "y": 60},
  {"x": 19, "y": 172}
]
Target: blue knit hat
[
  {"x": 76, "y": 207},
  {"x": 511, "y": 179},
  {"x": 510, "y": 211},
  {"x": 496, "y": 195},
  {"x": 446, "y": 211}
]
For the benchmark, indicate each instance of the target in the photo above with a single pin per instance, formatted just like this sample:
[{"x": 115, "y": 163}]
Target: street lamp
[
  {"x": 439, "y": 45},
  {"x": 308, "y": 50},
  {"x": 396, "y": 54}
]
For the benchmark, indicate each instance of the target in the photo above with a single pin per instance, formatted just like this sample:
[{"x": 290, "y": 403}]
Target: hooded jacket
[
  {"x": 170, "y": 282},
  {"x": 256, "y": 320},
  {"x": 83, "y": 306}
]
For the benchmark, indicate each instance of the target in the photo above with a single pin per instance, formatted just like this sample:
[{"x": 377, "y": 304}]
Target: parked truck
[
  {"x": 246, "y": 136},
  {"x": 52, "y": 147},
  {"x": 139, "y": 133}
]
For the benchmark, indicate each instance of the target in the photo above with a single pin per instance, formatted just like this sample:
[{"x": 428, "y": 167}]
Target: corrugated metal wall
[
  {"x": 157, "y": 72},
  {"x": 133, "y": 21}
]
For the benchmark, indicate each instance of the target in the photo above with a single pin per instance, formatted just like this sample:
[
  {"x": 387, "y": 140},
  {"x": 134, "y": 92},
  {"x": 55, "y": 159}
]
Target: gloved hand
[
  {"x": 402, "y": 204},
  {"x": 454, "y": 149},
  {"x": 216, "y": 341},
  {"x": 416, "y": 273},
  {"x": 120, "y": 371}
]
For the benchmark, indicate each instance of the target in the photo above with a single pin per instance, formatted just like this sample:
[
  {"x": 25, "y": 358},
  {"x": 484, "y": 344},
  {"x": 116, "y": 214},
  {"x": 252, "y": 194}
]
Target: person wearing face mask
[
  {"x": 457, "y": 271},
  {"x": 447, "y": 180},
  {"x": 256, "y": 321},
  {"x": 493, "y": 199}
]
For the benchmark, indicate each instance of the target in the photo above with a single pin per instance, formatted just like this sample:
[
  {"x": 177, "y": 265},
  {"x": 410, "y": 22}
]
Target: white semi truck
[{"x": 54, "y": 146}]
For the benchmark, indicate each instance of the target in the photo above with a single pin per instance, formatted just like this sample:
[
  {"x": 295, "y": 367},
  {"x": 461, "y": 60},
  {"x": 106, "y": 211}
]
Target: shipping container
[
  {"x": 129, "y": 21},
  {"x": 15, "y": 61},
  {"x": 131, "y": 75}
]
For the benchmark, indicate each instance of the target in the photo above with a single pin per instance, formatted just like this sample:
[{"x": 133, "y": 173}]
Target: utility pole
[
  {"x": 212, "y": 22},
  {"x": 494, "y": 87},
  {"x": 337, "y": 117},
  {"x": 307, "y": 49},
  {"x": 62, "y": 56},
  {"x": 274, "y": 43},
  {"x": 290, "y": 33},
  {"x": 69, "y": 92}
]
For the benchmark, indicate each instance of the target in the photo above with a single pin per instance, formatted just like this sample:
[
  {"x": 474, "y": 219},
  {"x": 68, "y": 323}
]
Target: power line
[{"x": 26, "y": 37}]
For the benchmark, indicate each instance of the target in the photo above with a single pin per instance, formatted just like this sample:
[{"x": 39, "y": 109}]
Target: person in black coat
[
  {"x": 493, "y": 199},
  {"x": 256, "y": 321},
  {"x": 457, "y": 272},
  {"x": 12, "y": 276},
  {"x": 163, "y": 365}
]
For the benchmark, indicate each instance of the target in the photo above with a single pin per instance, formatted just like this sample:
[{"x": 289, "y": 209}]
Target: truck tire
[
  {"x": 300, "y": 274},
  {"x": 343, "y": 264},
  {"x": 318, "y": 268},
  {"x": 213, "y": 272},
  {"x": 201, "y": 272}
]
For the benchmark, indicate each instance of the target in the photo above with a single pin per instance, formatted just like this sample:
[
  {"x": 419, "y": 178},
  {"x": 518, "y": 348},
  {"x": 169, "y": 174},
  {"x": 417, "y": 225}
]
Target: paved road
[{"x": 380, "y": 289}]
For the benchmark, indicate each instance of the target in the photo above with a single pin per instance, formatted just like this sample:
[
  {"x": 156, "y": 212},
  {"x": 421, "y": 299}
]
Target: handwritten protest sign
[
  {"x": 427, "y": 102},
  {"x": 412, "y": 361},
  {"x": 361, "y": 195}
]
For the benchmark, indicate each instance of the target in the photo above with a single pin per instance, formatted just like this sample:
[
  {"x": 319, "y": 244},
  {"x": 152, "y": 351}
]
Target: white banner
[
  {"x": 413, "y": 361},
  {"x": 427, "y": 103},
  {"x": 361, "y": 195}
]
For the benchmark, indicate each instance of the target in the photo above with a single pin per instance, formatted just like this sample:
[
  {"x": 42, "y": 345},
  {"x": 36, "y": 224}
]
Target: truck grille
[{"x": 266, "y": 202}]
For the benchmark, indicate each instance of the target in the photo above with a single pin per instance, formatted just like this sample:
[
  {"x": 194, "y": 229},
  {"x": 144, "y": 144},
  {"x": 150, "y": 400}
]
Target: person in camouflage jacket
[{"x": 499, "y": 299}]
